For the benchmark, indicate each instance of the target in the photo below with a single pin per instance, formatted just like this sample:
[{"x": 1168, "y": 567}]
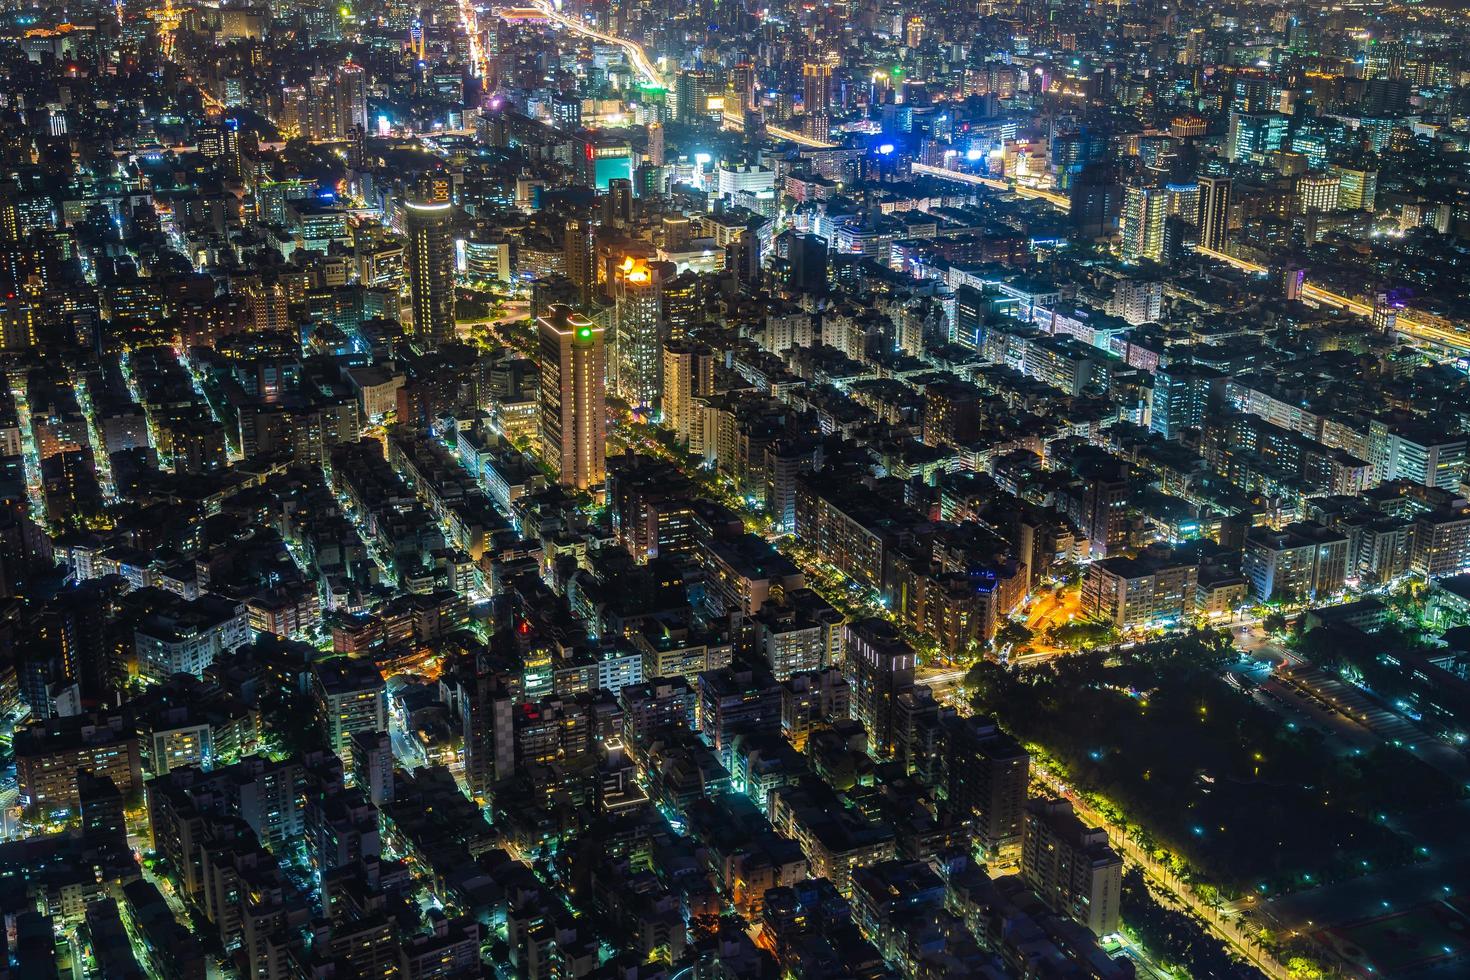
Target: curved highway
[{"x": 637, "y": 57}]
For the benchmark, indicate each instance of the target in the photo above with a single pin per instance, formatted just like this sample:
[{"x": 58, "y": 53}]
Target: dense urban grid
[{"x": 653, "y": 490}]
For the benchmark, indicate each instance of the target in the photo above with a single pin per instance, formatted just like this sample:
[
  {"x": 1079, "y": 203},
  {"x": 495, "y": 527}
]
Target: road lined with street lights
[{"x": 1231, "y": 928}]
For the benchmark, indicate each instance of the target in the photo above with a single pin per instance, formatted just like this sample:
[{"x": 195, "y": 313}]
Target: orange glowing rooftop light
[{"x": 635, "y": 270}]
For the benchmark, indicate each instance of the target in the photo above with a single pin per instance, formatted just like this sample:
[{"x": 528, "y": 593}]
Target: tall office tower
[
  {"x": 580, "y": 258},
  {"x": 743, "y": 257},
  {"x": 1357, "y": 187},
  {"x": 417, "y": 41},
  {"x": 913, "y": 34},
  {"x": 1096, "y": 198},
  {"x": 689, "y": 373},
  {"x": 1214, "y": 212},
  {"x": 656, "y": 144},
  {"x": 1181, "y": 397},
  {"x": 1254, "y": 93},
  {"x": 351, "y": 98},
  {"x": 573, "y": 396},
  {"x": 696, "y": 92},
  {"x": 638, "y": 333},
  {"x": 566, "y": 112},
  {"x": 816, "y": 87},
  {"x": 222, "y": 144},
  {"x": 1255, "y": 134},
  {"x": 1144, "y": 211},
  {"x": 431, "y": 269},
  {"x": 436, "y": 186},
  {"x": 233, "y": 152},
  {"x": 357, "y": 148}
]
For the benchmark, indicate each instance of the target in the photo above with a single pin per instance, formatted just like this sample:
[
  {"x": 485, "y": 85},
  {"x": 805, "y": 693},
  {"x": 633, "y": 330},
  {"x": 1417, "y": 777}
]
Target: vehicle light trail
[
  {"x": 637, "y": 57},
  {"x": 1451, "y": 339},
  {"x": 1059, "y": 201},
  {"x": 798, "y": 138}
]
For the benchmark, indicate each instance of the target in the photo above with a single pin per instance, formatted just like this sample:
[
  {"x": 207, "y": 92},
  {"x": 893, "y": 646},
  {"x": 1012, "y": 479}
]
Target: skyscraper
[
  {"x": 638, "y": 335},
  {"x": 1254, "y": 133},
  {"x": 431, "y": 269},
  {"x": 579, "y": 258},
  {"x": 656, "y": 144},
  {"x": 1214, "y": 212},
  {"x": 1144, "y": 212},
  {"x": 323, "y": 121},
  {"x": 1181, "y": 397},
  {"x": 739, "y": 89},
  {"x": 573, "y": 396},
  {"x": 351, "y": 98},
  {"x": 816, "y": 87},
  {"x": 808, "y": 258}
]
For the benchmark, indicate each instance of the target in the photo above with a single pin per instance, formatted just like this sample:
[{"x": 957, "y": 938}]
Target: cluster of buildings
[{"x": 485, "y": 496}]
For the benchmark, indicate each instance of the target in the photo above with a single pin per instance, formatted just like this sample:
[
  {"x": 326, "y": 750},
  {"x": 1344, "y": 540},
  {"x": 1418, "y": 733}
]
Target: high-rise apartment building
[
  {"x": 880, "y": 666},
  {"x": 489, "y": 731},
  {"x": 1214, "y": 212},
  {"x": 638, "y": 331},
  {"x": 689, "y": 373},
  {"x": 573, "y": 396},
  {"x": 987, "y": 773},
  {"x": 1145, "y": 209},
  {"x": 579, "y": 257},
  {"x": 351, "y": 98},
  {"x": 350, "y": 697},
  {"x": 1071, "y": 866}
]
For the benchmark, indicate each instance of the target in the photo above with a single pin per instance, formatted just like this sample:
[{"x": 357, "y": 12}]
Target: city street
[{"x": 1231, "y": 928}]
